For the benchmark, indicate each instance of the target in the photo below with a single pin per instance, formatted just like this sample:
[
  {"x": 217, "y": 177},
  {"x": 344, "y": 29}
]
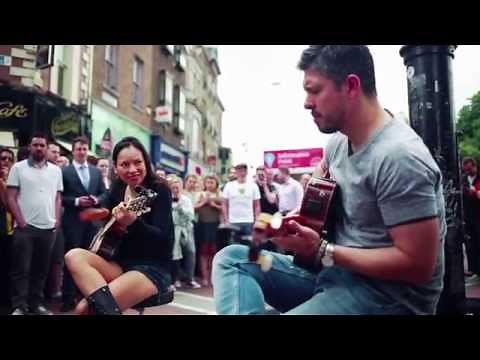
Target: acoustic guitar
[
  {"x": 315, "y": 212},
  {"x": 108, "y": 239}
]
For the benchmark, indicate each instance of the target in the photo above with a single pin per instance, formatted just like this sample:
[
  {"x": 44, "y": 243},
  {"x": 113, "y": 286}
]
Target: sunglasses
[{"x": 4, "y": 158}]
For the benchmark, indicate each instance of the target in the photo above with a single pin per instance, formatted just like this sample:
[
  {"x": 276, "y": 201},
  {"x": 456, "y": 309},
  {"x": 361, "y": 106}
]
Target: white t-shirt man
[
  {"x": 290, "y": 195},
  {"x": 240, "y": 198},
  {"x": 37, "y": 191}
]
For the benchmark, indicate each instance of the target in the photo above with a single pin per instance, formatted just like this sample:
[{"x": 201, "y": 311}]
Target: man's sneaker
[
  {"x": 40, "y": 310},
  {"x": 22, "y": 310},
  {"x": 194, "y": 285},
  {"x": 177, "y": 284}
]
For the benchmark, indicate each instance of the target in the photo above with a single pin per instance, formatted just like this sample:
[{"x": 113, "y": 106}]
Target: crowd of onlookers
[
  {"x": 201, "y": 204},
  {"x": 35, "y": 238},
  {"x": 33, "y": 242},
  {"x": 42, "y": 194}
]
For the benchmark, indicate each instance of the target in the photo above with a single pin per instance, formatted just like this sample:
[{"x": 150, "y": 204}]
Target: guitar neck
[{"x": 109, "y": 224}]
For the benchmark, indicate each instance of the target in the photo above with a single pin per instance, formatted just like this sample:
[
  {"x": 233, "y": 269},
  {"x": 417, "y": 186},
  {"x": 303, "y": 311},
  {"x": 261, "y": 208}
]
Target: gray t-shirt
[{"x": 391, "y": 180}]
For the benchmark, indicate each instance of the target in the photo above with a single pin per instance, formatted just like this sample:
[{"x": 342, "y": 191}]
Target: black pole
[{"x": 432, "y": 117}]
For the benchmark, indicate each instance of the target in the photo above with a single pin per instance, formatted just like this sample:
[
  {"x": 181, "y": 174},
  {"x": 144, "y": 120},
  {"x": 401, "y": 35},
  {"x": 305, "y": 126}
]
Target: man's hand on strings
[{"x": 301, "y": 240}]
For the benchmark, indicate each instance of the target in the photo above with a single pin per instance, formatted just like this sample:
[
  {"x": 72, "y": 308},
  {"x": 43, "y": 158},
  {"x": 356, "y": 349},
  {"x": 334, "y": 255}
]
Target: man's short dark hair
[
  {"x": 80, "y": 139},
  {"x": 260, "y": 168},
  {"x": 53, "y": 143},
  {"x": 38, "y": 135},
  {"x": 284, "y": 170},
  {"x": 241, "y": 166},
  {"x": 469, "y": 160},
  {"x": 336, "y": 62}
]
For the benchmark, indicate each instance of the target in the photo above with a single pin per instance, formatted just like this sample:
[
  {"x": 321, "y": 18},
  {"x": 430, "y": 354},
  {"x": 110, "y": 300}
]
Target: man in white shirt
[
  {"x": 34, "y": 197},
  {"x": 241, "y": 201},
  {"x": 290, "y": 192}
]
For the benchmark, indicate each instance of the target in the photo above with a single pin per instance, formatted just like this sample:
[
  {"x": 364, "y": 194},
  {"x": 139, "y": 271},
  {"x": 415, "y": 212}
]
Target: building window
[
  {"x": 165, "y": 88},
  {"x": 169, "y": 90},
  {"x": 196, "y": 131},
  {"x": 180, "y": 60},
  {"x": 176, "y": 104},
  {"x": 111, "y": 66},
  {"x": 182, "y": 103},
  {"x": 61, "y": 76},
  {"x": 162, "y": 78},
  {"x": 138, "y": 82}
]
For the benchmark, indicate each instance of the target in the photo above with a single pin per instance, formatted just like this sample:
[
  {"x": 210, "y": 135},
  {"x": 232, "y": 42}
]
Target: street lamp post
[{"x": 430, "y": 101}]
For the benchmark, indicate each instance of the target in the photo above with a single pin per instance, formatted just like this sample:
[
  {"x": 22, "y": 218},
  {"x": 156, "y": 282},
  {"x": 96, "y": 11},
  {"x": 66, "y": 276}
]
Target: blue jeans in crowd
[
  {"x": 245, "y": 228},
  {"x": 242, "y": 288}
]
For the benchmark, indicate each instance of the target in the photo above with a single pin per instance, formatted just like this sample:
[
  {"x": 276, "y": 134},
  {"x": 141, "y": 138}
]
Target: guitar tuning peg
[{"x": 324, "y": 233}]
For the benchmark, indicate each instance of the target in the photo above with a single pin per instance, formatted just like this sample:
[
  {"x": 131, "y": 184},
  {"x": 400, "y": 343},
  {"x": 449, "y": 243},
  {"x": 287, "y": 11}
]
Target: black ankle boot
[{"x": 103, "y": 302}]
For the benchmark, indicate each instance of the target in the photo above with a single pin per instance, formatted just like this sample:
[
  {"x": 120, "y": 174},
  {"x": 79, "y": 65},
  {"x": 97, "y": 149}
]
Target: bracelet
[{"x": 320, "y": 254}]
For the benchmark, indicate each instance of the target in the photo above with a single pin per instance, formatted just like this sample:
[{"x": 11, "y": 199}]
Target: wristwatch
[{"x": 328, "y": 256}]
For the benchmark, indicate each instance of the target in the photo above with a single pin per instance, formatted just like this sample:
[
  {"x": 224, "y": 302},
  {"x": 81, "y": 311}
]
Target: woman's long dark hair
[{"x": 151, "y": 180}]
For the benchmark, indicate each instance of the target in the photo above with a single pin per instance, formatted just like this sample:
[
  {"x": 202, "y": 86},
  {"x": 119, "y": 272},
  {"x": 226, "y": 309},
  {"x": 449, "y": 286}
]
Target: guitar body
[
  {"x": 108, "y": 239},
  {"x": 316, "y": 212}
]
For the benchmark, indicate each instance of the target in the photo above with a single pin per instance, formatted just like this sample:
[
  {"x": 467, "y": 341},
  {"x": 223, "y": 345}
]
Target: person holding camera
[{"x": 268, "y": 190}]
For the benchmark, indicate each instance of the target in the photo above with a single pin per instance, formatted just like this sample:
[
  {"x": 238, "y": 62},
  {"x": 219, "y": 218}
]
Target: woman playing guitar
[{"x": 140, "y": 267}]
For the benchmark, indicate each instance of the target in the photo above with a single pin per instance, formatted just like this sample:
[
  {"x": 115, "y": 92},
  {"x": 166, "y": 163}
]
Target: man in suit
[{"x": 83, "y": 188}]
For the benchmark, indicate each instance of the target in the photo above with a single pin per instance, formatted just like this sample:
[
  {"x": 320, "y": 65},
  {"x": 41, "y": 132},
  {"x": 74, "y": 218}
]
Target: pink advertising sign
[{"x": 292, "y": 158}]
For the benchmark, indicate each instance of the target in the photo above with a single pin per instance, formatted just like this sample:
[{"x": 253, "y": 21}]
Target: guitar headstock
[{"x": 140, "y": 204}]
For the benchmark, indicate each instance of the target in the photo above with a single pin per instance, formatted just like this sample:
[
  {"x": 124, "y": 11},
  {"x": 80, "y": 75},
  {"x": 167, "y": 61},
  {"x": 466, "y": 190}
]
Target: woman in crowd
[
  {"x": 7, "y": 159},
  {"x": 209, "y": 209},
  {"x": 184, "y": 248},
  {"x": 104, "y": 166}
]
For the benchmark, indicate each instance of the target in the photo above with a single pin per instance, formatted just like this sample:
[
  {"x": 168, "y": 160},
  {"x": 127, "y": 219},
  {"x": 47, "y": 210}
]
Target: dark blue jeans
[
  {"x": 245, "y": 228},
  {"x": 242, "y": 288},
  {"x": 31, "y": 250}
]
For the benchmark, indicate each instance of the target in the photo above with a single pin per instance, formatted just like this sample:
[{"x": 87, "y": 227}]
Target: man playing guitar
[{"x": 389, "y": 227}]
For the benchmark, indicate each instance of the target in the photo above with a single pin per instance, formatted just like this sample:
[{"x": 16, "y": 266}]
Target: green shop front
[{"x": 109, "y": 126}]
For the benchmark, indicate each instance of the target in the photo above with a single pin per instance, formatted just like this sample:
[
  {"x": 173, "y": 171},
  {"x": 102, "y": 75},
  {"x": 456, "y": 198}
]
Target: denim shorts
[
  {"x": 207, "y": 232},
  {"x": 159, "y": 275}
]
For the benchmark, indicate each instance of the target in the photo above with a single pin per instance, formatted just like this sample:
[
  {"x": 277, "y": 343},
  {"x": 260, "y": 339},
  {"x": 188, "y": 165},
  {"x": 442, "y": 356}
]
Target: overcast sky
[{"x": 262, "y": 93}]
